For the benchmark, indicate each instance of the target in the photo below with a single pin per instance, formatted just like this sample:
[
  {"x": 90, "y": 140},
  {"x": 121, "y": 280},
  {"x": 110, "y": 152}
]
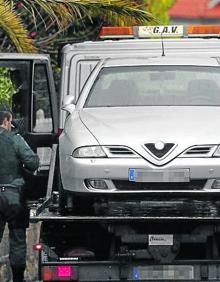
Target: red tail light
[
  {"x": 38, "y": 247},
  {"x": 64, "y": 271},
  {"x": 59, "y": 273},
  {"x": 47, "y": 273}
]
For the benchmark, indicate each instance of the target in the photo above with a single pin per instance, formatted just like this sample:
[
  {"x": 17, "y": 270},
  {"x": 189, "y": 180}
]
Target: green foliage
[
  {"x": 7, "y": 89},
  {"x": 31, "y": 26},
  {"x": 12, "y": 25},
  {"x": 159, "y": 9}
]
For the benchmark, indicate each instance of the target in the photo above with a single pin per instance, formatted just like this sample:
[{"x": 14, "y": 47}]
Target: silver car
[{"x": 144, "y": 127}]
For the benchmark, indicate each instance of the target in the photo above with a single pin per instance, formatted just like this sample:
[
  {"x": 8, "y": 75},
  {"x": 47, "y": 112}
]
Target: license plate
[
  {"x": 142, "y": 175},
  {"x": 163, "y": 272},
  {"x": 160, "y": 239}
]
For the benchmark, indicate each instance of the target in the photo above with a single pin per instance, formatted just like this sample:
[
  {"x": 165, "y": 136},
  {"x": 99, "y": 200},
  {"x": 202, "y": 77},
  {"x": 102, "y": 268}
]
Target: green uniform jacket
[{"x": 14, "y": 155}]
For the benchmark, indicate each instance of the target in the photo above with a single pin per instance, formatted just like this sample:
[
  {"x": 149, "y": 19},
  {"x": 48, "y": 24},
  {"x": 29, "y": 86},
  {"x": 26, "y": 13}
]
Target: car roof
[
  {"x": 171, "y": 45},
  {"x": 162, "y": 60},
  {"x": 23, "y": 56}
]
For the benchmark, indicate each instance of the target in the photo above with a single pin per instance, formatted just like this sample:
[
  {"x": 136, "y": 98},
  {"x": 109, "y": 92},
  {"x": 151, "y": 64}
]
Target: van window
[
  {"x": 84, "y": 69},
  {"x": 42, "y": 118}
]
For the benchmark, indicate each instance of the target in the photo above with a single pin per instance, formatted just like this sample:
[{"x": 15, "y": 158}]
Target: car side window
[{"x": 42, "y": 118}]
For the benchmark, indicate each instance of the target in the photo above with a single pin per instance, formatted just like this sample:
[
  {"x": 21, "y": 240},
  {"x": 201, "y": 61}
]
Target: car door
[
  {"x": 43, "y": 125},
  {"x": 28, "y": 90}
]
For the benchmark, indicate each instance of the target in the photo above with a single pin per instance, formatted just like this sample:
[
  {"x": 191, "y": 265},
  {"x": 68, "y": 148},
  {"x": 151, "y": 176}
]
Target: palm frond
[
  {"x": 12, "y": 25},
  {"x": 66, "y": 11}
]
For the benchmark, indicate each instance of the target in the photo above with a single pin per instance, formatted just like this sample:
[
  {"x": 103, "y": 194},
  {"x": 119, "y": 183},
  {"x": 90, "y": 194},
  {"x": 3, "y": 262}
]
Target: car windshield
[{"x": 155, "y": 86}]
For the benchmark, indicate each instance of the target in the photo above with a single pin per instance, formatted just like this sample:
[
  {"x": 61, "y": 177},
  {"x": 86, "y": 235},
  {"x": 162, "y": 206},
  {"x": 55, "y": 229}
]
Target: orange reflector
[
  {"x": 47, "y": 274},
  {"x": 117, "y": 31},
  {"x": 204, "y": 29}
]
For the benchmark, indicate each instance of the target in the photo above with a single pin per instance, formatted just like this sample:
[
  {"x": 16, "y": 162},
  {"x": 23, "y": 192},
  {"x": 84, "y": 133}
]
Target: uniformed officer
[{"x": 14, "y": 155}]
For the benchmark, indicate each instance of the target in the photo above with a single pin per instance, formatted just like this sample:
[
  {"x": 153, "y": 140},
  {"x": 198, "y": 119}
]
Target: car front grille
[
  {"x": 200, "y": 151},
  {"x": 173, "y": 186},
  {"x": 119, "y": 152}
]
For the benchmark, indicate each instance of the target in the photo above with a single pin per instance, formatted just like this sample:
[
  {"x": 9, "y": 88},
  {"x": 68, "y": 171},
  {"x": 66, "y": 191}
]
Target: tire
[{"x": 62, "y": 198}]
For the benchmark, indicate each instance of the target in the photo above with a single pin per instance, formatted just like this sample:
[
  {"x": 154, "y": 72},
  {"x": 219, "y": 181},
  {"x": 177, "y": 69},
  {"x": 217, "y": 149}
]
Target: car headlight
[{"x": 89, "y": 152}]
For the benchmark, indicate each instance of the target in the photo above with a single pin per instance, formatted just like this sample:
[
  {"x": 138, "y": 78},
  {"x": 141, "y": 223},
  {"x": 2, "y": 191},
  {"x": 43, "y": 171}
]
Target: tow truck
[{"x": 129, "y": 242}]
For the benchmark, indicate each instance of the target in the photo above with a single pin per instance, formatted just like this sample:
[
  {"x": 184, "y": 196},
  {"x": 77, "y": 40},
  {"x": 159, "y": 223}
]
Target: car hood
[{"x": 136, "y": 126}]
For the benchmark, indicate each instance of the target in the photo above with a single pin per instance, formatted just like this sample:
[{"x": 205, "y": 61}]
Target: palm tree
[
  {"x": 55, "y": 16},
  {"x": 13, "y": 27}
]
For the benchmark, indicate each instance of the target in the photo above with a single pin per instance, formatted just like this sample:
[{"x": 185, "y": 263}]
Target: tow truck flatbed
[{"x": 50, "y": 216}]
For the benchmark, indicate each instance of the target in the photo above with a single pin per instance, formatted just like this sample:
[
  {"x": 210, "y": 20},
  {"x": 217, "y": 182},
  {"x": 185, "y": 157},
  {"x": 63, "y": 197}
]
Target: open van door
[{"x": 33, "y": 101}]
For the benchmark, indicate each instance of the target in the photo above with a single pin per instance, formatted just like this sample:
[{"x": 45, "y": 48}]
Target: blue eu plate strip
[
  {"x": 132, "y": 174},
  {"x": 135, "y": 273}
]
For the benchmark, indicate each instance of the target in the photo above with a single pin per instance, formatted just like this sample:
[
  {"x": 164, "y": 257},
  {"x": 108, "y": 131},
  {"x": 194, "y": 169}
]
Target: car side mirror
[{"x": 68, "y": 104}]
